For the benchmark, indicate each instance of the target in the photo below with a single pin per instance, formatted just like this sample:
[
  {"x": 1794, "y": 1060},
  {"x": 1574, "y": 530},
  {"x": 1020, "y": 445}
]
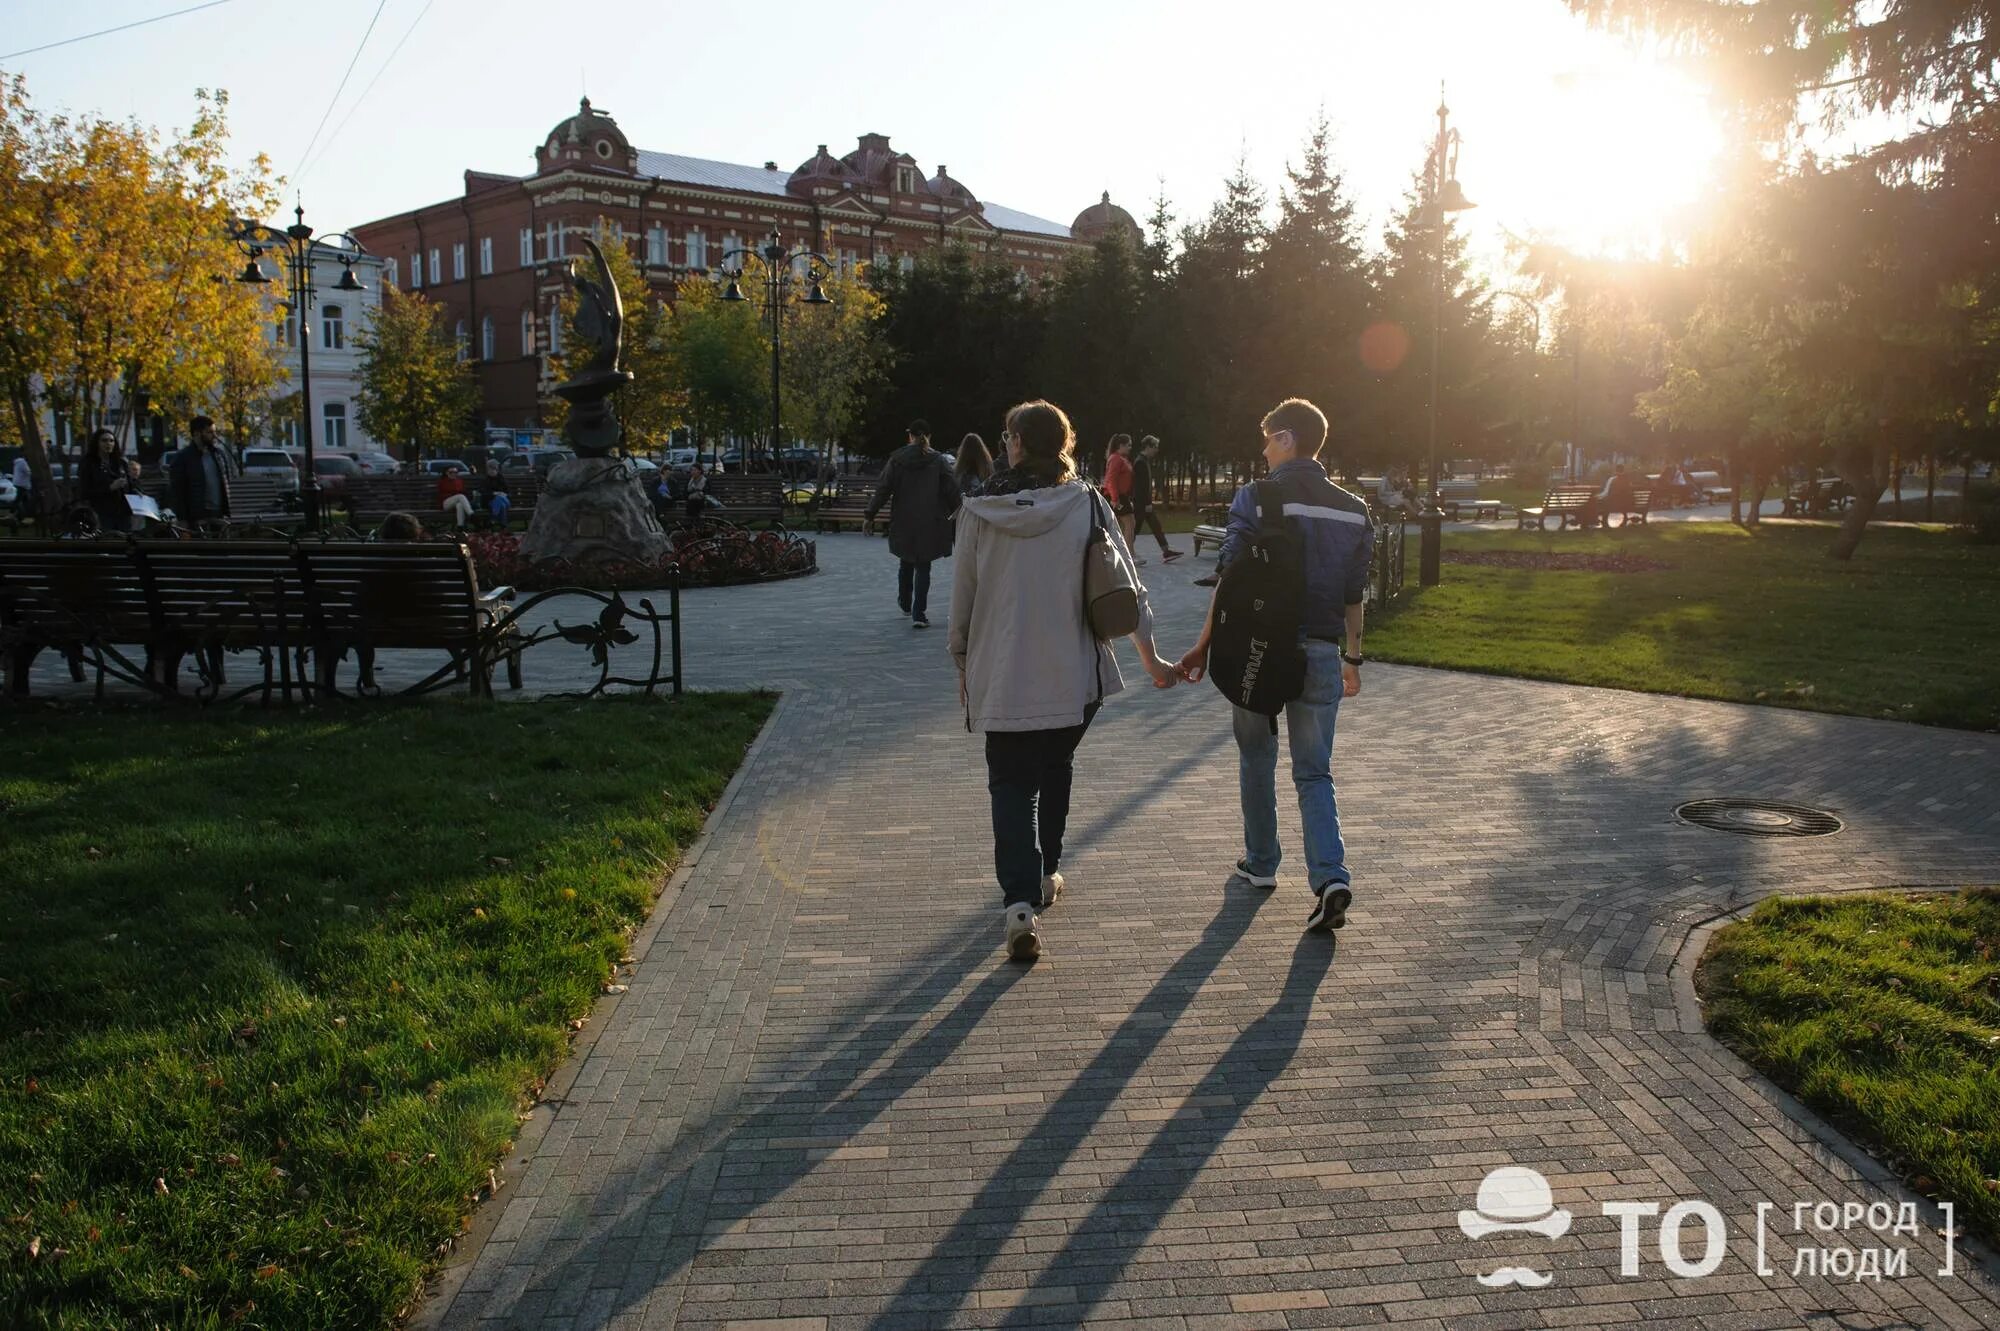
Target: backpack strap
[{"x": 1270, "y": 506}]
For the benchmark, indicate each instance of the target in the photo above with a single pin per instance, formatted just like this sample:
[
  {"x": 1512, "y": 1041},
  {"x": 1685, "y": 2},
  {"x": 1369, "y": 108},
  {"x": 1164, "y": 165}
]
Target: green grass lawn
[
  {"x": 1882, "y": 1012},
  {"x": 276, "y": 987},
  {"x": 1909, "y": 629}
]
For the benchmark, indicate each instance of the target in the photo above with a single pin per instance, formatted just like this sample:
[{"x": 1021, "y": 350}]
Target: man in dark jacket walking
[
  {"x": 924, "y": 496},
  {"x": 199, "y": 477},
  {"x": 1144, "y": 515}
]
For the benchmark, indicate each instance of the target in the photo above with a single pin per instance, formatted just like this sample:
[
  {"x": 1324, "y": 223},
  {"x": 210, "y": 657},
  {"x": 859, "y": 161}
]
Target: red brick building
[{"x": 494, "y": 257}]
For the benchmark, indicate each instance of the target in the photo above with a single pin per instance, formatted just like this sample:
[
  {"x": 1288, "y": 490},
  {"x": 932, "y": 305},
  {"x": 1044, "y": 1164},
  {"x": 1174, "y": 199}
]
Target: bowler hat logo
[{"x": 1514, "y": 1200}]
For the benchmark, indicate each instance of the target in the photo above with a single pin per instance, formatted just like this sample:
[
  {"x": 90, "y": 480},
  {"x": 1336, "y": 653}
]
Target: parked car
[
  {"x": 680, "y": 459},
  {"x": 271, "y": 462},
  {"x": 537, "y": 460},
  {"x": 377, "y": 464},
  {"x": 439, "y": 466},
  {"x": 334, "y": 471}
]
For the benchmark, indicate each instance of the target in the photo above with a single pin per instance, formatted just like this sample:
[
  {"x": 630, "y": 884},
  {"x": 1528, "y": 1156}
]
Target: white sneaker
[
  {"x": 1024, "y": 936},
  {"x": 1255, "y": 879},
  {"x": 1052, "y": 887}
]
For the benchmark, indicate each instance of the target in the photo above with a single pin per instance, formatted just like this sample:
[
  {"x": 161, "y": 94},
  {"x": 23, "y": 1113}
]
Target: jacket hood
[{"x": 1029, "y": 512}]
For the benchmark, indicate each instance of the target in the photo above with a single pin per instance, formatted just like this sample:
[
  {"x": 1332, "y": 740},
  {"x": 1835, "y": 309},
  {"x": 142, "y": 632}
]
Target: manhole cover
[{"x": 1759, "y": 817}]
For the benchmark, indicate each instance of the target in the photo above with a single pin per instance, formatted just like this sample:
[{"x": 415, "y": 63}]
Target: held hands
[{"x": 1164, "y": 675}]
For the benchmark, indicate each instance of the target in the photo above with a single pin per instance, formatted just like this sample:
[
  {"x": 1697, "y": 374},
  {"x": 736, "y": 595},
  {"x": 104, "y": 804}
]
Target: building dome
[
  {"x": 876, "y": 163},
  {"x": 1101, "y": 217},
  {"x": 949, "y": 190},
  {"x": 820, "y": 171},
  {"x": 588, "y": 138}
]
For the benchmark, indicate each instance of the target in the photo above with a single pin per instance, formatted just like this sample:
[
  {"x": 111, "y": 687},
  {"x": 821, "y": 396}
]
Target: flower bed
[{"x": 712, "y": 555}]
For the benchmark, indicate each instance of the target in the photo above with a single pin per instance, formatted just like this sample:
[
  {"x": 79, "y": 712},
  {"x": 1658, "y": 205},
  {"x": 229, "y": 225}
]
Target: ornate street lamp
[
  {"x": 778, "y": 278},
  {"x": 299, "y": 250},
  {"x": 1446, "y": 197}
]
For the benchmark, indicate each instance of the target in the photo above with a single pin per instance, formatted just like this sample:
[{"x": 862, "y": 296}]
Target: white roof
[{"x": 758, "y": 180}]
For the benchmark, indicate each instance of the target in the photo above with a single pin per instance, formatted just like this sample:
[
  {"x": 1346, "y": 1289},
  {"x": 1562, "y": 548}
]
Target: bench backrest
[
  {"x": 1459, "y": 490},
  {"x": 415, "y": 593},
  {"x": 1569, "y": 496},
  {"x": 54, "y": 584}
]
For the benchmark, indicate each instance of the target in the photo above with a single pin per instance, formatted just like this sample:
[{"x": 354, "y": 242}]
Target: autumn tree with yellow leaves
[{"x": 115, "y": 259}]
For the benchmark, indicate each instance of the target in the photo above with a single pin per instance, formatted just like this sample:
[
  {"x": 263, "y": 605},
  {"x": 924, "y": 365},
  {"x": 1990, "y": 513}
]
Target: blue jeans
[{"x": 1309, "y": 726}]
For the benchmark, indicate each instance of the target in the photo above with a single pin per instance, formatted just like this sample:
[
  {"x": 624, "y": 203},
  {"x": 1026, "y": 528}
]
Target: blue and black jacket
[{"x": 1336, "y": 536}]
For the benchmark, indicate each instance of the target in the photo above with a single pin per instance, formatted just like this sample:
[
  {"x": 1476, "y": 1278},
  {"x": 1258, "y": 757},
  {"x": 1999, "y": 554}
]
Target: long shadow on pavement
[
  {"x": 960, "y": 1256},
  {"x": 1099, "y": 1248}
]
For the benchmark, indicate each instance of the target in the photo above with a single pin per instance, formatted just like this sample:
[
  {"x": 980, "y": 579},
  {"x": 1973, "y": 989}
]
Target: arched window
[
  {"x": 333, "y": 328},
  {"x": 459, "y": 335},
  {"x": 527, "y": 332},
  {"x": 486, "y": 338}
]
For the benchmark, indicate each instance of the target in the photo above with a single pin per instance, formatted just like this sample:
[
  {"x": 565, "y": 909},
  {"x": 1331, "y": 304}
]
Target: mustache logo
[{"x": 1516, "y": 1275}]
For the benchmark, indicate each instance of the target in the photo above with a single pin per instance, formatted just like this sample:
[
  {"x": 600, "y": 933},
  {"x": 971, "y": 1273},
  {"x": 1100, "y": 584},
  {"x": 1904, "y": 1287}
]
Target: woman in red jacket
[
  {"x": 1118, "y": 484},
  {"x": 452, "y": 497}
]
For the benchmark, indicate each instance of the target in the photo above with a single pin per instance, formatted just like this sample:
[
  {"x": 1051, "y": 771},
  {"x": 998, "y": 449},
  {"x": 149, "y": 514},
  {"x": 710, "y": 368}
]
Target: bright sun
[{"x": 1601, "y": 160}]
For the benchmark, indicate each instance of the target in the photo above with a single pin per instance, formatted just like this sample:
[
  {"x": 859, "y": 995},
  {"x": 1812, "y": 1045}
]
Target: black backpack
[{"x": 1255, "y": 654}]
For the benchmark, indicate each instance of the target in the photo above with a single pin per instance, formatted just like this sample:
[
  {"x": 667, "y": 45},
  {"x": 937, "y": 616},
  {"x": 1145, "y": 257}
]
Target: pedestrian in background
[
  {"x": 1118, "y": 484},
  {"x": 106, "y": 481},
  {"x": 975, "y": 466},
  {"x": 1143, "y": 513},
  {"x": 923, "y": 496}
]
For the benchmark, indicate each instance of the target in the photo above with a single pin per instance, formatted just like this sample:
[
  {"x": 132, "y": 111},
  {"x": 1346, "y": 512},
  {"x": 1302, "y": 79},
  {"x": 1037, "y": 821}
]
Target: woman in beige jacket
[{"x": 1031, "y": 672}]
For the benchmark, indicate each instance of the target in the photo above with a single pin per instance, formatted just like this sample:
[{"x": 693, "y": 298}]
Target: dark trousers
[
  {"x": 913, "y": 587},
  {"x": 1028, "y": 774},
  {"x": 1147, "y": 516}
]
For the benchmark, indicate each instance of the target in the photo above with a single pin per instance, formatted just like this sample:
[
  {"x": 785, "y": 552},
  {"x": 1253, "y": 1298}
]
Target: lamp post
[
  {"x": 777, "y": 282},
  {"x": 1446, "y": 197},
  {"x": 300, "y": 251}
]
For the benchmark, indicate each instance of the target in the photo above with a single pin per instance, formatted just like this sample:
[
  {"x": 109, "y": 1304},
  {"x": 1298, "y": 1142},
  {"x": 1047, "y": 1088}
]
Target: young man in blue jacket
[{"x": 1333, "y": 528}]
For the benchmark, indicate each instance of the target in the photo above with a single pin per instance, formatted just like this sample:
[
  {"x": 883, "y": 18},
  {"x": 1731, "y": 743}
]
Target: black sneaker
[
  {"x": 919, "y": 622},
  {"x": 1330, "y": 911},
  {"x": 1208, "y": 581},
  {"x": 1169, "y": 556},
  {"x": 902, "y": 605}
]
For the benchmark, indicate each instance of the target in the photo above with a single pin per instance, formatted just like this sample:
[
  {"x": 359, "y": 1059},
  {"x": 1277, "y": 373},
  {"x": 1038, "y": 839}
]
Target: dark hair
[
  {"x": 1048, "y": 444},
  {"x": 400, "y": 527},
  {"x": 1306, "y": 422},
  {"x": 919, "y": 427},
  {"x": 200, "y": 423},
  {"x": 973, "y": 458},
  {"x": 1119, "y": 441}
]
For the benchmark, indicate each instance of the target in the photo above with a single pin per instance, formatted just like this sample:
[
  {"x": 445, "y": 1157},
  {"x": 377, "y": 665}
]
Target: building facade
[
  {"x": 335, "y": 360},
  {"x": 494, "y": 257}
]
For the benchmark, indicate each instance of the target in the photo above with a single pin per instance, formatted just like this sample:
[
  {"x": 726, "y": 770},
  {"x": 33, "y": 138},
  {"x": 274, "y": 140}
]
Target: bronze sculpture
[{"x": 592, "y": 428}]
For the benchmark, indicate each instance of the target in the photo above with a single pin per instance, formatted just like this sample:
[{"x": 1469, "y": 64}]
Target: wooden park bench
[
  {"x": 373, "y": 498},
  {"x": 1633, "y": 511},
  {"x": 290, "y": 602},
  {"x": 1568, "y": 504},
  {"x": 1814, "y": 499},
  {"x": 1711, "y": 487},
  {"x": 849, "y": 504},
  {"x": 1461, "y": 499},
  {"x": 749, "y": 499},
  {"x": 1213, "y": 527}
]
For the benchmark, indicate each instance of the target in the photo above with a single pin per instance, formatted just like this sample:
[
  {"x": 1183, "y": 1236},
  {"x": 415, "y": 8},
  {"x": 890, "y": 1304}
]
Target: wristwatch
[{"x": 1351, "y": 660}]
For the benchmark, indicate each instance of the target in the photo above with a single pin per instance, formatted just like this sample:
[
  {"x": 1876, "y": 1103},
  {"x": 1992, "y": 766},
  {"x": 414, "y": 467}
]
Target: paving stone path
[{"x": 827, "y": 1101}]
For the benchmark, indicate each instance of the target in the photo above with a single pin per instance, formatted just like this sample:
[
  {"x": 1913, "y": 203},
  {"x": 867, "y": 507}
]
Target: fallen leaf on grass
[
  {"x": 268, "y": 1270},
  {"x": 160, "y": 1187},
  {"x": 616, "y": 988}
]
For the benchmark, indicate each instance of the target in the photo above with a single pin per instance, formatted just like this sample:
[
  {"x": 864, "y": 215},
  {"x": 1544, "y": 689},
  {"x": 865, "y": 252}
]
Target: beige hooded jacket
[{"x": 1017, "y": 624}]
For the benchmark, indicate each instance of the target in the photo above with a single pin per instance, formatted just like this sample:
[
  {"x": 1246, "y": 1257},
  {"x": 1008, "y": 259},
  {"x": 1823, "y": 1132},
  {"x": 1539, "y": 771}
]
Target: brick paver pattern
[{"x": 828, "y": 1101}]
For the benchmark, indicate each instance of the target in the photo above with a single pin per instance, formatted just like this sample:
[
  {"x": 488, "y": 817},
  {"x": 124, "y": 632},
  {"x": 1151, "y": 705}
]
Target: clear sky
[{"x": 1036, "y": 104}]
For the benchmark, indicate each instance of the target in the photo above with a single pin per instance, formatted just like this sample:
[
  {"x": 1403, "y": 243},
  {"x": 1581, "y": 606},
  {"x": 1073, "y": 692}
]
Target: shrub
[{"x": 712, "y": 555}]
